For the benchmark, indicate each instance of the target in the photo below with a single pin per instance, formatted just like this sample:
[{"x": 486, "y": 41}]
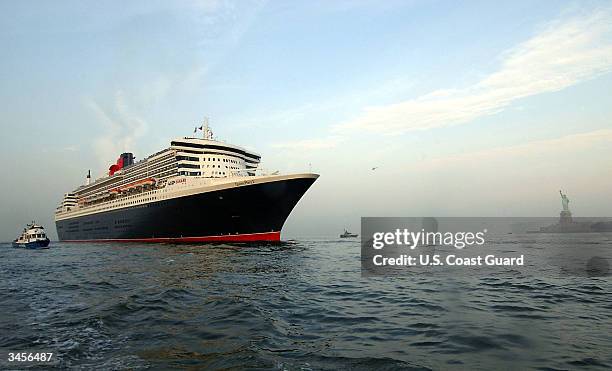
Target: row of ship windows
[
  {"x": 210, "y": 147},
  {"x": 192, "y": 166},
  {"x": 77, "y": 229},
  {"x": 123, "y": 203},
  {"x": 207, "y": 159},
  {"x": 190, "y": 173},
  {"x": 191, "y": 158},
  {"x": 155, "y": 174},
  {"x": 224, "y": 160},
  {"x": 144, "y": 166},
  {"x": 199, "y": 173},
  {"x": 153, "y": 169},
  {"x": 126, "y": 204}
]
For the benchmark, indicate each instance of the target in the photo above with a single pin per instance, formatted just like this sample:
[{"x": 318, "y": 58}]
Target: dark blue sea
[{"x": 304, "y": 305}]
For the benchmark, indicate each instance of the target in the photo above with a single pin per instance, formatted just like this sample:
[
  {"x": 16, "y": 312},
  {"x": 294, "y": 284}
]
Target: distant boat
[
  {"x": 348, "y": 234},
  {"x": 32, "y": 237}
]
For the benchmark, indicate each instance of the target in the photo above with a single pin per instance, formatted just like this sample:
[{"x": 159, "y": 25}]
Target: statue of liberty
[
  {"x": 565, "y": 217},
  {"x": 564, "y": 202}
]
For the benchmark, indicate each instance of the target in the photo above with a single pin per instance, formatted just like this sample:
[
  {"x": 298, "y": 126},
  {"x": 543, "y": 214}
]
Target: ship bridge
[{"x": 213, "y": 159}]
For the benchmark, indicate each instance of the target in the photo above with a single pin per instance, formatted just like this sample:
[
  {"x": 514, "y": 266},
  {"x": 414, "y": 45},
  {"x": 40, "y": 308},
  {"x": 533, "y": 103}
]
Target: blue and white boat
[{"x": 32, "y": 237}]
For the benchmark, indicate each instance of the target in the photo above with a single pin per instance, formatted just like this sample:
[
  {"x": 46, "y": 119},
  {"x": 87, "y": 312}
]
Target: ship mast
[{"x": 206, "y": 132}]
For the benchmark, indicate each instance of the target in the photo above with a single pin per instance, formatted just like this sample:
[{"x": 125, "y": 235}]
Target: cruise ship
[{"x": 196, "y": 190}]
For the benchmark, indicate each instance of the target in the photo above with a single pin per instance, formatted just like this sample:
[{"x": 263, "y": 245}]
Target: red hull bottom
[{"x": 250, "y": 237}]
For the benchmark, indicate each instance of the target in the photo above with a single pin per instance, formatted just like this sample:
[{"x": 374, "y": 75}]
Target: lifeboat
[{"x": 129, "y": 187}]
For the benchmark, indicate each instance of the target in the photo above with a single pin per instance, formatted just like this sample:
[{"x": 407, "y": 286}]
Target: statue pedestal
[{"x": 565, "y": 217}]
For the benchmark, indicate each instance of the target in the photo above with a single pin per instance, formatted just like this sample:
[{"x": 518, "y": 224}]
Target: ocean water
[{"x": 304, "y": 305}]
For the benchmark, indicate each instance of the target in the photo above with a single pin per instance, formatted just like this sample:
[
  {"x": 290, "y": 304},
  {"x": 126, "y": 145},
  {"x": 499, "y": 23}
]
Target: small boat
[
  {"x": 348, "y": 234},
  {"x": 32, "y": 237}
]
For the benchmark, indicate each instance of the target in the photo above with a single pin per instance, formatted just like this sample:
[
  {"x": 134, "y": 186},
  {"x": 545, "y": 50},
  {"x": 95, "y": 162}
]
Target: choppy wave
[{"x": 301, "y": 305}]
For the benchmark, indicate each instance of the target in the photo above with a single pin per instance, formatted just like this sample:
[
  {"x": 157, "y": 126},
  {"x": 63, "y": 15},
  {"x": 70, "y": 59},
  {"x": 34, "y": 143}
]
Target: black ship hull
[{"x": 253, "y": 212}]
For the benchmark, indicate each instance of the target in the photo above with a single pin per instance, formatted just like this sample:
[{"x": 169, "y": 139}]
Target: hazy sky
[{"x": 467, "y": 108}]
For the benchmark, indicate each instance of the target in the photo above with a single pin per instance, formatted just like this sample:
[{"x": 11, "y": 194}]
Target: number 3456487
[{"x": 29, "y": 357}]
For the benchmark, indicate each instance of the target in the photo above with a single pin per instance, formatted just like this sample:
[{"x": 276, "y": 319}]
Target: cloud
[
  {"x": 121, "y": 129},
  {"x": 567, "y": 145},
  {"x": 562, "y": 54},
  {"x": 220, "y": 26}
]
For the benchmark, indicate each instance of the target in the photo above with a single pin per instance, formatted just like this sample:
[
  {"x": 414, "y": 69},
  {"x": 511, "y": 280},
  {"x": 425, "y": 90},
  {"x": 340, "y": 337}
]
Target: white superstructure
[{"x": 188, "y": 162}]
